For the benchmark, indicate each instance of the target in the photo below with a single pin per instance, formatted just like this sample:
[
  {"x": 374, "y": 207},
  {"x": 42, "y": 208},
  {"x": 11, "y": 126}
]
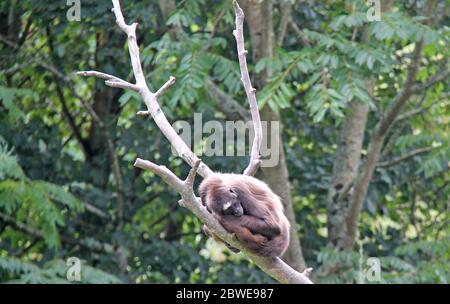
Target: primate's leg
[{"x": 216, "y": 238}]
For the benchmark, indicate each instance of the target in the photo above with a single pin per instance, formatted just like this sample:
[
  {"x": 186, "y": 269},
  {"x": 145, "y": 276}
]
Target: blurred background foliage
[{"x": 62, "y": 183}]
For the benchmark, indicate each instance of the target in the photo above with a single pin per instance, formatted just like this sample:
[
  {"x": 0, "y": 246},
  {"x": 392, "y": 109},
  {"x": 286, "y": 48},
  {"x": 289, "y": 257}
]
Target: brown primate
[{"x": 246, "y": 207}]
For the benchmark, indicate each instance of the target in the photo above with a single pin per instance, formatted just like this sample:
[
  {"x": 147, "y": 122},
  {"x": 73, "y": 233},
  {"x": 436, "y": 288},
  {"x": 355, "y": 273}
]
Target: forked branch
[
  {"x": 275, "y": 267},
  {"x": 150, "y": 98}
]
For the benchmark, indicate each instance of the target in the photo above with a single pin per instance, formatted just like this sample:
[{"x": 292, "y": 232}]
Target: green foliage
[
  {"x": 166, "y": 262},
  {"x": 226, "y": 71},
  {"x": 191, "y": 72},
  {"x": 415, "y": 262},
  {"x": 8, "y": 96},
  {"x": 419, "y": 262},
  {"x": 16, "y": 266},
  {"x": 52, "y": 272},
  {"x": 278, "y": 94},
  {"x": 397, "y": 25},
  {"x": 56, "y": 173},
  {"x": 33, "y": 201},
  {"x": 8, "y": 163}
]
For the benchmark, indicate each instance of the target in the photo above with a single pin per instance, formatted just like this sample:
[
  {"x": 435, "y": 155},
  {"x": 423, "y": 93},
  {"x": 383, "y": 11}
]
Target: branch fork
[
  {"x": 275, "y": 267},
  {"x": 111, "y": 81}
]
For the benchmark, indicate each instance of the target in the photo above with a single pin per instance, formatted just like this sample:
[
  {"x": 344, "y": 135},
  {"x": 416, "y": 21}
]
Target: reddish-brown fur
[{"x": 263, "y": 228}]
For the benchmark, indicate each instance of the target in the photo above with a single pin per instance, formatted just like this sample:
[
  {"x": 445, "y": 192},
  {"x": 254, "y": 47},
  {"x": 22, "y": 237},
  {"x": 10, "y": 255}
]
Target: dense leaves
[{"x": 59, "y": 193}]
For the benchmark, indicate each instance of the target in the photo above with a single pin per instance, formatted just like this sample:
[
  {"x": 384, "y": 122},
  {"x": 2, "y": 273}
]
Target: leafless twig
[{"x": 238, "y": 33}]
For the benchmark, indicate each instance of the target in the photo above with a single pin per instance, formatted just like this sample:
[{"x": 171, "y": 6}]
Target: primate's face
[
  {"x": 233, "y": 207},
  {"x": 224, "y": 201}
]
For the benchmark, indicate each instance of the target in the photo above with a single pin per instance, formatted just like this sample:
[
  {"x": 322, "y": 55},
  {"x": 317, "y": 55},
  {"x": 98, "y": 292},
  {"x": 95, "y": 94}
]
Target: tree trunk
[
  {"x": 343, "y": 210},
  {"x": 345, "y": 168},
  {"x": 278, "y": 179},
  {"x": 346, "y": 162}
]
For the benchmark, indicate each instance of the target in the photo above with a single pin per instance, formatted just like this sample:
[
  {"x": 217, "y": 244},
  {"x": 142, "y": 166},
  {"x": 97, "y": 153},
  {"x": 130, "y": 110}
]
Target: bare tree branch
[
  {"x": 94, "y": 210},
  {"x": 402, "y": 97},
  {"x": 111, "y": 81},
  {"x": 305, "y": 41},
  {"x": 404, "y": 157},
  {"x": 390, "y": 143},
  {"x": 285, "y": 8},
  {"x": 405, "y": 116},
  {"x": 75, "y": 129},
  {"x": 249, "y": 90},
  {"x": 217, "y": 19},
  {"x": 167, "y": 85},
  {"x": 275, "y": 267},
  {"x": 227, "y": 105},
  {"x": 441, "y": 75},
  {"x": 150, "y": 99},
  {"x": 420, "y": 110},
  {"x": 191, "y": 176}
]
